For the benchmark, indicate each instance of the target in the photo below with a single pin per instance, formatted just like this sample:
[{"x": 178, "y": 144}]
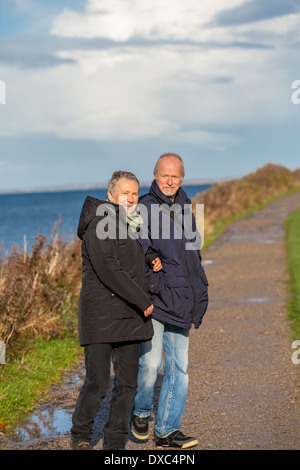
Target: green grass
[
  {"x": 25, "y": 379},
  {"x": 292, "y": 227}
]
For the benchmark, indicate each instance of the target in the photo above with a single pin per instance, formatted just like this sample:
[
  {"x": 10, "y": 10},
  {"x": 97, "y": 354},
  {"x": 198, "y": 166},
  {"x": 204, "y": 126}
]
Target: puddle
[
  {"x": 254, "y": 299},
  {"x": 46, "y": 421},
  {"x": 259, "y": 238},
  {"x": 268, "y": 234},
  {"x": 43, "y": 424},
  {"x": 75, "y": 379},
  {"x": 207, "y": 261},
  {"x": 54, "y": 420}
]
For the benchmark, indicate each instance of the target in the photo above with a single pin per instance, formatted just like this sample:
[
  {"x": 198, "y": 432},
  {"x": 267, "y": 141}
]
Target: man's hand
[
  {"x": 157, "y": 266},
  {"x": 148, "y": 311}
]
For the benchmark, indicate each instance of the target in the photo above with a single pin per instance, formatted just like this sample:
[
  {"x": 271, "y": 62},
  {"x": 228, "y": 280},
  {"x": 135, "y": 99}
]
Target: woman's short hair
[{"x": 119, "y": 175}]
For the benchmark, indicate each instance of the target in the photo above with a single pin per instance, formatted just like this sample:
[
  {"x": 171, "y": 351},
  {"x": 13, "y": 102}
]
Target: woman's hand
[
  {"x": 157, "y": 266},
  {"x": 148, "y": 311}
]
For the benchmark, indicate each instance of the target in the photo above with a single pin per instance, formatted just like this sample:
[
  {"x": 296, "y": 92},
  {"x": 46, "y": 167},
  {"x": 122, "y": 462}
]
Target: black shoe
[
  {"x": 176, "y": 440},
  {"x": 140, "y": 427},
  {"x": 80, "y": 445}
]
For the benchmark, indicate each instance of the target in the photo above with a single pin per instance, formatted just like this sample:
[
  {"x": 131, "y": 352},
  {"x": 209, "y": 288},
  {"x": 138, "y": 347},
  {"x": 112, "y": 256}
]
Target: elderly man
[{"x": 179, "y": 295}]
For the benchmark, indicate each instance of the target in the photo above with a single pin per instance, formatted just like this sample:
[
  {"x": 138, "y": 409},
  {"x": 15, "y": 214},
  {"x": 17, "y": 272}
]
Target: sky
[{"x": 92, "y": 86}]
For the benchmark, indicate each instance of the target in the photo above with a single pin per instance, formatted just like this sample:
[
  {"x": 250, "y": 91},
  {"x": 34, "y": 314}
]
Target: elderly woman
[{"x": 114, "y": 309}]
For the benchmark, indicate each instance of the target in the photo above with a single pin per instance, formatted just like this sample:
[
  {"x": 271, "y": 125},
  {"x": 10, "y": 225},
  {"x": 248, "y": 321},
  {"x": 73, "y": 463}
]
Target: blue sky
[{"x": 98, "y": 85}]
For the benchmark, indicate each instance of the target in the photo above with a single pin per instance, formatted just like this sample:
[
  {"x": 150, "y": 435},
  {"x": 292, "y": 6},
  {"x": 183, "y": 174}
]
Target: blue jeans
[{"x": 175, "y": 342}]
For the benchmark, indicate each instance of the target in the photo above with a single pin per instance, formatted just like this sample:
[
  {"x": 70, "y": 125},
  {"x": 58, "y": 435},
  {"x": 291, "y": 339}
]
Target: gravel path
[{"x": 243, "y": 385}]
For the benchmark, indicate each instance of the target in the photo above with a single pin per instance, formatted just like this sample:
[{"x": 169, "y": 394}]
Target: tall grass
[{"x": 39, "y": 292}]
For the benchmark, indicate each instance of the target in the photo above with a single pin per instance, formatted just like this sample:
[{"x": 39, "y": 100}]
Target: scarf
[{"x": 134, "y": 220}]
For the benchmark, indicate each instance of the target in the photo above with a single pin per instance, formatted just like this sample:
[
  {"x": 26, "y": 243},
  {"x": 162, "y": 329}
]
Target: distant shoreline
[{"x": 53, "y": 189}]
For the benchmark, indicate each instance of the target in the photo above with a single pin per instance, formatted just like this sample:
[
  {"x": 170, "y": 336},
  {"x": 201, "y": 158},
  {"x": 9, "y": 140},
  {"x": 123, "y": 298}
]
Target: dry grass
[
  {"x": 39, "y": 292},
  {"x": 230, "y": 198}
]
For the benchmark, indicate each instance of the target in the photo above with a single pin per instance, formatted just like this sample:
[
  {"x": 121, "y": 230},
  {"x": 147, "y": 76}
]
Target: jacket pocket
[
  {"x": 178, "y": 295},
  {"x": 177, "y": 281}
]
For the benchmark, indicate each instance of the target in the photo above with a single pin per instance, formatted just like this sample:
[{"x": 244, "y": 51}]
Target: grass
[
  {"x": 39, "y": 292},
  {"x": 38, "y": 323},
  {"x": 30, "y": 375},
  {"x": 292, "y": 227}
]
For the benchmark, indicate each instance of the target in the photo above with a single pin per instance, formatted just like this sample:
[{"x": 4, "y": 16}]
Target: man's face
[{"x": 169, "y": 176}]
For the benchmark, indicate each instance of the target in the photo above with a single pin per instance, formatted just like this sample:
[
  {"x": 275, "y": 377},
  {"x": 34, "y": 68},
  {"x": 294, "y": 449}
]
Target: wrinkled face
[
  {"x": 169, "y": 176},
  {"x": 126, "y": 194}
]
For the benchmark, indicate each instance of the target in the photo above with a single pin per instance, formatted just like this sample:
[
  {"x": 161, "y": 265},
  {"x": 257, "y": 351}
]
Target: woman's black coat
[{"x": 114, "y": 291}]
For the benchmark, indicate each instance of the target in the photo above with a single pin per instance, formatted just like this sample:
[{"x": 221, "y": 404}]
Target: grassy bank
[
  {"x": 38, "y": 323},
  {"x": 29, "y": 376},
  {"x": 292, "y": 227}
]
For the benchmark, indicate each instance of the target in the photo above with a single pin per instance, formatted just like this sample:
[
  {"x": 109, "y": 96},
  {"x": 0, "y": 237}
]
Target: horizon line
[{"x": 82, "y": 187}]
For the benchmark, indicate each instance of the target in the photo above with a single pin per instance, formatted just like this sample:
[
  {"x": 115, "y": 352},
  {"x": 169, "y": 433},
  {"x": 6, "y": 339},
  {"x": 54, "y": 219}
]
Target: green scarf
[{"x": 135, "y": 220}]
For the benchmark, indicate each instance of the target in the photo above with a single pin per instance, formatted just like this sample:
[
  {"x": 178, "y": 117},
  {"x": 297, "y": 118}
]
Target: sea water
[{"x": 24, "y": 216}]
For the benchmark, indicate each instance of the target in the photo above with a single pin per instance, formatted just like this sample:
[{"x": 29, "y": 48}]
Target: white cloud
[
  {"x": 127, "y": 94},
  {"x": 121, "y": 20},
  {"x": 134, "y": 90}
]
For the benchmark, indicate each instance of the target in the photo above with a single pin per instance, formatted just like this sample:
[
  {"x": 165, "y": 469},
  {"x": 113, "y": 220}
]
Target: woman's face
[{"x": 126, "y": 193}]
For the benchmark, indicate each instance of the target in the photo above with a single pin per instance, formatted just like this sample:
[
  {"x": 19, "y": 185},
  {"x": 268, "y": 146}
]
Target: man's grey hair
[
  {"x": 170, "y": 154},
  {"x": 120, "y": 175}
]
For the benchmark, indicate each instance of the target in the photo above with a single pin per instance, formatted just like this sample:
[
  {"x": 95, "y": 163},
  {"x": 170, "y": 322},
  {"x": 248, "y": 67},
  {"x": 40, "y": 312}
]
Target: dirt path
[{"x": 243, "y": 386}]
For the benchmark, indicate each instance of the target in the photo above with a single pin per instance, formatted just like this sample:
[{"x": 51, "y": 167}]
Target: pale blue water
[{"x": 34, "y": 213}]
